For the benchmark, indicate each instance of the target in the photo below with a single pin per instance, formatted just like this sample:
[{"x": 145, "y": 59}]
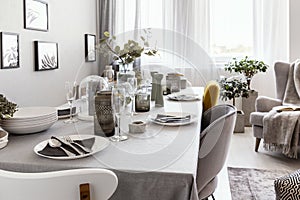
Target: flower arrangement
[
  {"x": 7, "y": 108},
  {"x": 131, "y": 49},
  {"x": 247, "y": 67}
]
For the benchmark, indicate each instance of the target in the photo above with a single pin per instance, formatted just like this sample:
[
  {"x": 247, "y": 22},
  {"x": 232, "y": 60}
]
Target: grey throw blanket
[
  {"x": 292, "y": 91},
  {"x": 281, "y": 131}
]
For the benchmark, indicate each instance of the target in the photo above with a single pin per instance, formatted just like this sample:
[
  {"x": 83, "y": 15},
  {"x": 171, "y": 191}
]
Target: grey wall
[{"x": 69, "y": 20}]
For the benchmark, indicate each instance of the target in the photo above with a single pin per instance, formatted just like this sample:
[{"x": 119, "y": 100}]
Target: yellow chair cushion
[{"x": 211, "y": 95}]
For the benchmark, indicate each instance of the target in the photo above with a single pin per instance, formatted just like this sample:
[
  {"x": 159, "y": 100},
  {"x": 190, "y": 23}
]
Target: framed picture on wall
[
  {"x": 46, "y": 55},
  {"x": 36, "y": 15},
  {"x": 9, "y": 43},
  {"x": 90, "y": 47}
]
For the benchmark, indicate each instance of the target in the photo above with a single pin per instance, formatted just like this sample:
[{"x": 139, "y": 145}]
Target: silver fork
[{"x": 70, "y": 140}]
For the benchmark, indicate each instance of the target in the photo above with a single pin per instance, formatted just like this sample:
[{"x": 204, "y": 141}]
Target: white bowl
[{"x": 3, "y": 138}]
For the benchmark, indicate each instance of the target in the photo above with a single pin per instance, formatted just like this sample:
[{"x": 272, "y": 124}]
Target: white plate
[
  {"x": 66, "y": 116},
  {"x": 29, "y": 129},
  {"x": 184, "y": 97},
  {"x": 34, "y": 112},
  {"x": 99, "y": 144},
  {"x": 28, "y": 123},
  {"x": 193, "y": 119}
]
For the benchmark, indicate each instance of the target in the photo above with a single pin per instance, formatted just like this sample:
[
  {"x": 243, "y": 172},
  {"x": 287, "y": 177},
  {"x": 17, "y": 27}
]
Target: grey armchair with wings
[{"x": 265, "y": 104}]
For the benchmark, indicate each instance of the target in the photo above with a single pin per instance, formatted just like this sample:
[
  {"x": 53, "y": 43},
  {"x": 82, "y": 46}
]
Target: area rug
[{"x": 253, "y": 184}]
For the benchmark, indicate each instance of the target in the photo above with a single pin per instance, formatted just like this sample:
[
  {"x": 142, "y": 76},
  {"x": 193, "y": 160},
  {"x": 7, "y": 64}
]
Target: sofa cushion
[
  {"x": 256, "y": 118},
  {"x": 288, "y": 187}
]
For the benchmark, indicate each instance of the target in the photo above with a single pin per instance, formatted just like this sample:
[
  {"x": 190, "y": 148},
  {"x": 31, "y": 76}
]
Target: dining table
[{"x": 160, "y": 163}]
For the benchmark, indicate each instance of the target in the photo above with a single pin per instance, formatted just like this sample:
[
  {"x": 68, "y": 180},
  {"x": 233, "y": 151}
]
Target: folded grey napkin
[
  {"x": 57, "y": 151},
  {"x": 171, "y": 118}
]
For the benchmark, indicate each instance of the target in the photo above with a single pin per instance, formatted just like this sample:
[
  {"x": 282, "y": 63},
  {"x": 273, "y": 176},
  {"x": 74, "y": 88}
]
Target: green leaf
[{"x": 106, "y": 34}]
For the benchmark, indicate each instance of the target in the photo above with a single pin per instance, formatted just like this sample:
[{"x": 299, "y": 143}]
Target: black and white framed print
[
  {"x": 9, "y": 50},
  {"x": 36, "y": 15},
  {"x": 90, "y": 47},
  {"x": 46, "y": 55}
]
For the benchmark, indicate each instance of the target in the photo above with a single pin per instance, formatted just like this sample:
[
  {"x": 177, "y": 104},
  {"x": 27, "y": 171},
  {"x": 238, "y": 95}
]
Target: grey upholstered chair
[
  {"x": 264, "y": 104},
  {"x": 218, "y": 123}
]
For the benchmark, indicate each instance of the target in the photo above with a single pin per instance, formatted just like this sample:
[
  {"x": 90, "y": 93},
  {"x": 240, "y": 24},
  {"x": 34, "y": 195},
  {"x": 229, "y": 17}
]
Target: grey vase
[
  {"x": 159, "y": 99},
  {"x": 153, "y": 90}
]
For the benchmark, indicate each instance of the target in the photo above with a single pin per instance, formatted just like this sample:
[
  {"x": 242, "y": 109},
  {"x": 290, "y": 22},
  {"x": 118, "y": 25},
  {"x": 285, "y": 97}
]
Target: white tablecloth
[{"x": 159, "y": 164}]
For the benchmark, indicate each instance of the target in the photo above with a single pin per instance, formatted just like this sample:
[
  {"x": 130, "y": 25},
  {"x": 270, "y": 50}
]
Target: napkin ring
[{"x": 137, "y": 127}]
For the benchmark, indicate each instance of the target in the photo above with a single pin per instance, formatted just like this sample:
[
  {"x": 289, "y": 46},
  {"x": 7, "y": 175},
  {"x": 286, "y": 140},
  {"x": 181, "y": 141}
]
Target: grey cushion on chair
[
  {"x": 288, "y": 187},
  {"x": 257, "y": 118}
]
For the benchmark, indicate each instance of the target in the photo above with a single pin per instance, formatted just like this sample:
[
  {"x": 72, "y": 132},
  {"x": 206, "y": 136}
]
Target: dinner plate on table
[
  {"x": 191, "y": 118},
  {"x": 184, "y": 97},
  {"x": 99, "y": 144}
]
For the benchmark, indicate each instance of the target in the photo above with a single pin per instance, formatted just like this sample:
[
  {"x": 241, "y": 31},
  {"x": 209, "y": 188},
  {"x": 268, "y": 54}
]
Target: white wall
[{"x": 69, "y": 20}]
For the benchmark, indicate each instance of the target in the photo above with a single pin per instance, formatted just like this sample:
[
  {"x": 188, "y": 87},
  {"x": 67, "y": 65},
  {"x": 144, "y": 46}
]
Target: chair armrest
[{"x": 265, "y": 104}]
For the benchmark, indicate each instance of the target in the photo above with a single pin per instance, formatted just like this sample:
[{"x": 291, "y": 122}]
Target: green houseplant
[
  {"x": 232, "y": 88},
  {"x": 247, "y": 67},
  {"x": 7, "y": 108}
]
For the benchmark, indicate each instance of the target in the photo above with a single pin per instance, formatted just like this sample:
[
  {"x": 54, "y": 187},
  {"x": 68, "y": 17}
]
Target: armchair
[{"x": 264, "y": 104}]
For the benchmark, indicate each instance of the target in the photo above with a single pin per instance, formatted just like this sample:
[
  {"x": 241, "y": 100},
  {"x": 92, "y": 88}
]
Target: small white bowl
[
  {"x": 3, "y": 138},
  {"x": 137, "y": 127}
]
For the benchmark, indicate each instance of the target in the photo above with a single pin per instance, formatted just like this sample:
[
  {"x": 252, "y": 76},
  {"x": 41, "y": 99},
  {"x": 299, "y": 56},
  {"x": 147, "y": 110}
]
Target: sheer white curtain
[
  {"x": 190, "y": 17},
  {"x": 271, "y": 38},
  {"x": 181, "y": 27}
]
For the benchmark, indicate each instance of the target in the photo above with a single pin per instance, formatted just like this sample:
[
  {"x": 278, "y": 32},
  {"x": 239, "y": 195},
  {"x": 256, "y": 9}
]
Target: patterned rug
[{"x": 253, "y": 184}]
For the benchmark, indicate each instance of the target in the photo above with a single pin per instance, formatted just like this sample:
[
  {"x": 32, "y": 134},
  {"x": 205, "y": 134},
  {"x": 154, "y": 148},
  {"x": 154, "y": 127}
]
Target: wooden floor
[{"x": 242, "y": 154}]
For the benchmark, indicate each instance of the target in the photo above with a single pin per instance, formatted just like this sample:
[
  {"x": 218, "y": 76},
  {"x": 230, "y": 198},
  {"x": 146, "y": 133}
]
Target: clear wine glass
[
  {"x": 70, "y": 95},
  {"x": 118, "y": 106},
  {"x": 132, "y": 92}
]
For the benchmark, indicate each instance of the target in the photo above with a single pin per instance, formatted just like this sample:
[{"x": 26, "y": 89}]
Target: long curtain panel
[
  {"x": 180, "y": 27},
  {"x": 271, "y": 39}
]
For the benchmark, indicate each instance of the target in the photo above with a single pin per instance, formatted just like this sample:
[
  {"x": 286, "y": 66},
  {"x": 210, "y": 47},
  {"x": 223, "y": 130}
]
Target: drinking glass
[
  {"x": 132, "y": 92},
  {"x": 70, "y": 95},
  {"x": 118, "y": 106}
]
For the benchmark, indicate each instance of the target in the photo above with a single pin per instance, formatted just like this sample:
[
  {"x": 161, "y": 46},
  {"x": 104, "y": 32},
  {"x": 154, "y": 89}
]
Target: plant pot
[
  {"x": 240, "y": 123},
  {"x": 248, "y": 105}
]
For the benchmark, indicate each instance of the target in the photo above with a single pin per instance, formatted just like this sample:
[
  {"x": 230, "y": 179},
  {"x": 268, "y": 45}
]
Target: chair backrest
[
  {"x": 214, "y": 142},
  {"x": 281, "y": 76},
  {"x": 60, "y": 185},
  {"x": 211, "y": 95}
]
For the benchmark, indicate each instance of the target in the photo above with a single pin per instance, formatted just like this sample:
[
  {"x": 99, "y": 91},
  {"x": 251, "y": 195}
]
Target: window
[{"x": 231, "y": 28}]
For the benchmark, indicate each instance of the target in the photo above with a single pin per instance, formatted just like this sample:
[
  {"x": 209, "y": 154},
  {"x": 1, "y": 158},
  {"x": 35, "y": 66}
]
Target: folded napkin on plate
[
  {"x": 57, "y": 151},
  {"x": 184, "y": 97},
  {"x": 172, "y": 118}
]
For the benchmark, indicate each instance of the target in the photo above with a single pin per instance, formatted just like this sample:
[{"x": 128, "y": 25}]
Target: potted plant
[
  {"x": 231, "y": 88},
  {"x": 7, "y": 108},
  {"x": 247, "y": 67}
]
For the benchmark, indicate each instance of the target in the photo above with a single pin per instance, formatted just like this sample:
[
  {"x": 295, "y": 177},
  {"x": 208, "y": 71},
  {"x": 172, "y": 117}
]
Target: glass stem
[
  {"x": 119, "y": 127},
  {"x": 71, "y": 116},
  {"x": 132, "y": 105}
]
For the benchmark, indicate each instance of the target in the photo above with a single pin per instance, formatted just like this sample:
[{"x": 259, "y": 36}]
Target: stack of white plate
[{"x": 30, "y": 120}]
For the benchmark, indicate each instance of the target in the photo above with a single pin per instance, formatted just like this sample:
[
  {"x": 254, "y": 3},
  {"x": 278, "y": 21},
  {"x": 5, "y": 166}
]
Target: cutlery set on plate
[
  {"x": 171, "y": 118},
  {"x": 70, "y": 147}
]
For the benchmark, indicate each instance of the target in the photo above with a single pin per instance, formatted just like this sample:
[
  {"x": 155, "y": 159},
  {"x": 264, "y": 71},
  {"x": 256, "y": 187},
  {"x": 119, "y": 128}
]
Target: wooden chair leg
[{"x": 257, "y": 144}]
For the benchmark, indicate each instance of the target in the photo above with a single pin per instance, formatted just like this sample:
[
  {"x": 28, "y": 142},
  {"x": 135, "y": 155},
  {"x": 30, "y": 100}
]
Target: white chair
[{"x": 57, "y": 185}]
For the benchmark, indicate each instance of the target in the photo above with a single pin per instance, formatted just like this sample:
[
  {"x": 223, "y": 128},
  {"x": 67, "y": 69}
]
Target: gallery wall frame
[
  {"x": 9, "y": 49},
  {"x": 36, "y": 15},
  {"x": 46, "y": 55},
  {"x": 90, "y": 47}
]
